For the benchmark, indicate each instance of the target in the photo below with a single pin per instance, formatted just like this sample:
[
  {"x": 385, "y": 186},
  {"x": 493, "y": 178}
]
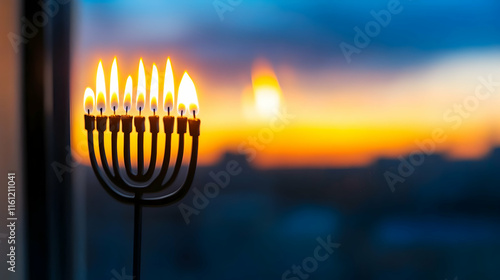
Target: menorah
[
  {"x": 116, "y": 185},
  {"x": 136, "y": 187}
]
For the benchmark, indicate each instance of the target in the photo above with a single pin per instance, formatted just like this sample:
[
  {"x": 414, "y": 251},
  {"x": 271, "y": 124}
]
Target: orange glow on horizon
[{"x": 338, "y": 122}]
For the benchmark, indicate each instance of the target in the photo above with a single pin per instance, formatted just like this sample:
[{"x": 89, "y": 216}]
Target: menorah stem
[
  {"x": 140, "y": 128},
  {"x": 137, "y": 238},
  {"x": 140, "y": 154}
]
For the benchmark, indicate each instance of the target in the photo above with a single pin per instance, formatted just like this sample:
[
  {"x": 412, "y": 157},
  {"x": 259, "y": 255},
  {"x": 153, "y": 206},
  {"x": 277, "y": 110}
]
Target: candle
[
  {"x": 114, "y": 87},
  {"x": 153, "y": 91},
  {"x": 141, "y": 88},
  {"x": 187, "y": 99},
  {"x": 168, "y": 88},
  {"x": 100, "y": 89},
  {"x": 88, "y": 101}
]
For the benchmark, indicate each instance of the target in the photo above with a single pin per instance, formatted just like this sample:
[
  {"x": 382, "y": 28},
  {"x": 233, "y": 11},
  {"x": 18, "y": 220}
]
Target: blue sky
[{"x": 299, "y": 32}]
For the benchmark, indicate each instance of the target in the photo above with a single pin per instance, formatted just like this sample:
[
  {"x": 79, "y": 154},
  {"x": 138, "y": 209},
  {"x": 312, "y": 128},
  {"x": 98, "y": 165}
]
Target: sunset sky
[{"x": 418, "y": 76}]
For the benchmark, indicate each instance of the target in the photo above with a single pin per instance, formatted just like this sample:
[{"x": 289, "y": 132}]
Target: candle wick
[
  {"x": 101, "y": 111},
  {"x": 154, "y": 112},
  {"x": 126, "y": 110},
  {"x": 88, "y": 111},
  {"x": 114, "y": 110},
  {"x": 140, "y": 109},
  {"x": 194, "y": 114},
  {"x": 182, "y": 113},
  {"x": 168, "y": 111}
]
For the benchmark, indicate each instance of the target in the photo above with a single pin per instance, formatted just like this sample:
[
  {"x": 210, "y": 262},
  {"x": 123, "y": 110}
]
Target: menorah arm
[
  {"x": 114, "y": 154},
  {"x": 134, "y": 178},
  {"x": 141, "y": 177},
  {"x": 140, "y": 154},
  {"x": 184, "y": 189},
  {"x": 126, "y": 156},
  {"x": 104, "y": 160},
  {"x": 152, "y": 161},
  {"x": 114, "y": 178},
  {"x": 158, "y": 184},
  {"x": 166, "y": 157},
  {"x": 118, "y": 180},
  {"x": 108, "y": 187}
]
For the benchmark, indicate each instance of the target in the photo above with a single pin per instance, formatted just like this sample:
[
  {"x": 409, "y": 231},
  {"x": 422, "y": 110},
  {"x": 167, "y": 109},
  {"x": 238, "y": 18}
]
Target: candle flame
[
  {"x": 88, "y": 101},
  {"x": 168, "y": 88},
  {"x": 114, "y": 86},
  {"x": 127, "y": 99},
  {"x": 141, "y": 87},
  {"x": 153, "y": 91},
  {"x": 187, "y": 99},
  {"x": 100, "y": 89}
]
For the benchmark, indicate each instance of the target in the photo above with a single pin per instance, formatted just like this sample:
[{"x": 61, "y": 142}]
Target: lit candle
[
  {"x": 153, "y": 91},
  {"x": 100, "y": 89},
  {"x": 127, "y": 99},
  {"x": 114, "y": 87},
  {"x": 88, "y": 106},
  {"x": 187, "y": 99},
  {"x": 141, "y": 88},
  {"x": 88, "y": 101},
  {"x": 168, "y": 89}
]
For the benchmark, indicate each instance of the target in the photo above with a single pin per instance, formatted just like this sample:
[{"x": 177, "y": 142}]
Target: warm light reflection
[
  {"x": 153, "y": 94},
  {"x": 187, "y": 98},
  {"x": 127, "y": 99},
  {"x": 101, "y": 89},
  {"x": 267, "y": 91},
  {"x": 141, "y": 87},
  {"x": 88, "y": 101},
  {"x": 168, "y": 88},
  {"x": 114, "y": 87}
]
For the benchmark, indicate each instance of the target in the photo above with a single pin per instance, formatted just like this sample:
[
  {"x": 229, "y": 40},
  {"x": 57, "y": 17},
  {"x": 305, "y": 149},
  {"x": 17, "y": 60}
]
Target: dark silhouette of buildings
[{"x": 442, "y": 222}]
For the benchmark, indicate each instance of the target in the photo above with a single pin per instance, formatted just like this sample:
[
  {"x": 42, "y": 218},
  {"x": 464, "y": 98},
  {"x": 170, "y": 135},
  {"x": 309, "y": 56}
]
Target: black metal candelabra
[{"x": 132, "y": 188}]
